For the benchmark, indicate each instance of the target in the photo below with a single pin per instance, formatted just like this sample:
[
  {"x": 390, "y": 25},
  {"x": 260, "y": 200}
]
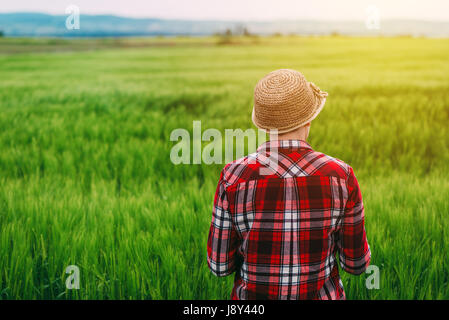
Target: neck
[{"x": 298, "y": 134}]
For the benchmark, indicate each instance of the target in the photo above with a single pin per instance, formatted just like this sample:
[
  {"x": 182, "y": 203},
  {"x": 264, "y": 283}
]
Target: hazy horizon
[
  {"x": 249, "y": 10},
  {"x": 223, "y": 20}
]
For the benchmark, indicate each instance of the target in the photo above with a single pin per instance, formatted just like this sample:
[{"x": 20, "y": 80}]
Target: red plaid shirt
[{"x": 280, "y": 229}]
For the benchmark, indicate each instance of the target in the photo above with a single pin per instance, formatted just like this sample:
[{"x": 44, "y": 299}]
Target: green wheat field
[{"x": 86, "y": 177}]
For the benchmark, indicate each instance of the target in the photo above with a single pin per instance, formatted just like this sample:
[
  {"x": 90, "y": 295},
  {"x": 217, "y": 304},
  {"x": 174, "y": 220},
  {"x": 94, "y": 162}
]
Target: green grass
[{"x": 86, "y": 177}]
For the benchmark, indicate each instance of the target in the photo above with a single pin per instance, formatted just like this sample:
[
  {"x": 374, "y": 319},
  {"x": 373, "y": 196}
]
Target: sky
[{"x": 433, "y": 10}]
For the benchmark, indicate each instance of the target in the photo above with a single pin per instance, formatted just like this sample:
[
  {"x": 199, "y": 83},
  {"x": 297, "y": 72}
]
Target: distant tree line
[{"x": 239, "y": 30}]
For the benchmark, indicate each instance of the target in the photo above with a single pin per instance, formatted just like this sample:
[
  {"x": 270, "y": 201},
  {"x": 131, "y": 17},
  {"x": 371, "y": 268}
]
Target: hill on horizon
[{"x": 27, "y": 24}]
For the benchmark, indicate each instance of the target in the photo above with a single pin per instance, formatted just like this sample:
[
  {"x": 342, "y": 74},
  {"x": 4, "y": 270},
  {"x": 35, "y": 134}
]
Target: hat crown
[
  {"x": 284, "y": 88},
  {"x": 285, "y": 100}
]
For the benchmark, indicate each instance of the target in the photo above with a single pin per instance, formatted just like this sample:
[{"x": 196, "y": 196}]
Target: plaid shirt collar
[
  {"x": 284, "y": 144},
  {"x": 276, "y": 161}
]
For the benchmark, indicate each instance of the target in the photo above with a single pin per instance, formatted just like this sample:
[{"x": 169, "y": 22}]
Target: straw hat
[{"x": 284, "y": 101}]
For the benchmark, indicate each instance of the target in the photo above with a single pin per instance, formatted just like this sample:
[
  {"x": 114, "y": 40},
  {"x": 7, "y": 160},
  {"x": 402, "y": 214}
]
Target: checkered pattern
[{"x": 281, "y": 217}]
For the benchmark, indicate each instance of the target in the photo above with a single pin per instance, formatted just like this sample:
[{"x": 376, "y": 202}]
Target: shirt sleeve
[
  {"x": 222, "y": 240},
  {"x": 354, "y": 250}
]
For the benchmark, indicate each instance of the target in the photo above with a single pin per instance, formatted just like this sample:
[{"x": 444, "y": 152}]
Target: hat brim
[{"x": 301, "y": 123}]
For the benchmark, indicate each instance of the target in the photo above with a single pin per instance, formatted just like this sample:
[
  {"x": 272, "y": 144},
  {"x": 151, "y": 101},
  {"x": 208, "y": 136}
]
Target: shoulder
[
  {"x": 330, "y": 166},
  {"x": 239, "y": 170}
]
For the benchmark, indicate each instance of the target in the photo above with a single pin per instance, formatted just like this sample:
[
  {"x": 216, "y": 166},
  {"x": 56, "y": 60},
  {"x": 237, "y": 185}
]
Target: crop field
[{"x": 86, "y": 177}]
